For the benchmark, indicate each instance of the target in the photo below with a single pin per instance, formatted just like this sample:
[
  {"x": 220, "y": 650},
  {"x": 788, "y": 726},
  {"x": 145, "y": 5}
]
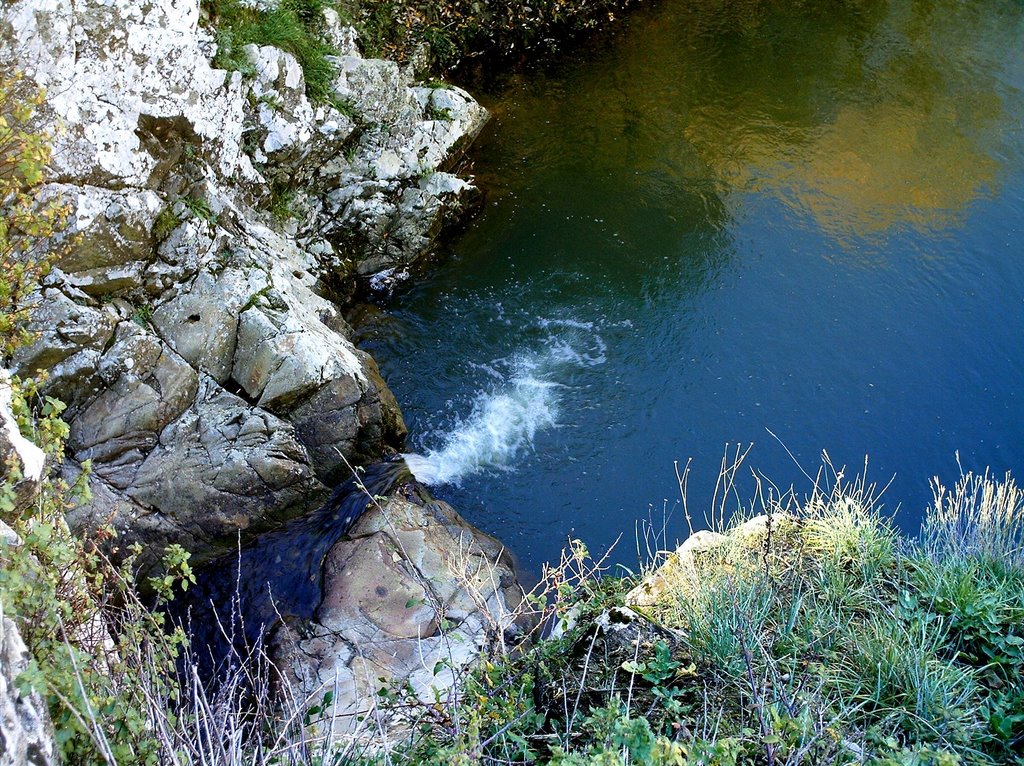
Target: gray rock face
[
  {"x": 409, "y": 568},
  {"x": 374, "y": 178},
  {"x": 243, "y": 460},
  {"x": 209, "y": 382},
  {"x": 26, "y": 733}
]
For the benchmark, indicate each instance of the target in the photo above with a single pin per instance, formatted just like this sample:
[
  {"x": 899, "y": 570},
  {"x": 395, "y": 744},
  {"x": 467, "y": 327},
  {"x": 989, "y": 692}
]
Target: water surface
[{"x": 729, "y": 218}]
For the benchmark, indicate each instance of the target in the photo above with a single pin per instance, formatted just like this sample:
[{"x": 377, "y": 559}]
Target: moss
[
  {"x": 282, "y": 204},
  {"x": 166, "y": 221},
  {"x": 434, "y": 113}
]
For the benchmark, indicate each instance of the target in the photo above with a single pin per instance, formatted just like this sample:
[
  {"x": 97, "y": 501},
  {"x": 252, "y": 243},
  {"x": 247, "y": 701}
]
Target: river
[{"x": 792, "y": 224}]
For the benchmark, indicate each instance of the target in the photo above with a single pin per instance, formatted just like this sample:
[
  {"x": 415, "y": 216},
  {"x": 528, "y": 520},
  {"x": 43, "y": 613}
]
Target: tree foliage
[{"x": 29, "y": 222}]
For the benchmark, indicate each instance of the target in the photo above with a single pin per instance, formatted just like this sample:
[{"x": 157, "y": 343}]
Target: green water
[{"x": 724, "y": 221}]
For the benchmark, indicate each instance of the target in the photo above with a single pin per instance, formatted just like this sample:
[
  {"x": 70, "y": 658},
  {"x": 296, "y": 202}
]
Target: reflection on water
[
  {"x": 886, "y": 134},
  {"x": 703, "y": 191}
]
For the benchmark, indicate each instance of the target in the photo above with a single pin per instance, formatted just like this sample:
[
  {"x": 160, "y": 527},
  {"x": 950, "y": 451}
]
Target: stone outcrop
[
  {"x": 210, "y": 377},
  {"x": 680, "y": 572},
  {"x": 26, "y": 733},
  {"x": 414, "y": 595}
]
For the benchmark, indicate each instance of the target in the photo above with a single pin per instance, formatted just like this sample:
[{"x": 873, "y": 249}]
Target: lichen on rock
[{"x": 209, "y": 380}]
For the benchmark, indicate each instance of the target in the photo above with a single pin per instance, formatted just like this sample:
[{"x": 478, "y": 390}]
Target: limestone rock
[
  {"x": 243, "y": 468},
  {"x": 293, "y": 137},
  {"x": 201, "y": 321},
  {"x": 70, "y": 338},
  {"x": 677, "y": 567},
  {"x": 17, "y": 453},
  {"x": 148, "y": 387},
  {"x": 408, "y": 567},
  {"x": 208, "y": 379},
  {"x": 114, "y": 236},
  {"x": 389, "y": 198},
  {"x": 26, "y": 732},
  {"x": 679, "y": 571},
  {"x": 115, "y": 70}
]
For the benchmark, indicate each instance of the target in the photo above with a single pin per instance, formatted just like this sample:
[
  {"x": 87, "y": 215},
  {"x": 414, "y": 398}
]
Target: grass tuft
[{"x": 294, "y": 26}]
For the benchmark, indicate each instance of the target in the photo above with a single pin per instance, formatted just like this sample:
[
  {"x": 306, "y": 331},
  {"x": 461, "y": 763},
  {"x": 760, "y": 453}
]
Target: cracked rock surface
[
  {"x": 210, "y": 377},
  {"x": 414, "y": 595}
]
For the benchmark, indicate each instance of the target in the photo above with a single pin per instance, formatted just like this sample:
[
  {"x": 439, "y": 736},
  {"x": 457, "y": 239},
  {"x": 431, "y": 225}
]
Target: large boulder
[{"x": 411, "y": 598}]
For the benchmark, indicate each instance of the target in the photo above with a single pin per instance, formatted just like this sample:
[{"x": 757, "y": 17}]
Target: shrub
[
  {"x": 456, "y": 30},
  {"x": 28, "y": 224}
]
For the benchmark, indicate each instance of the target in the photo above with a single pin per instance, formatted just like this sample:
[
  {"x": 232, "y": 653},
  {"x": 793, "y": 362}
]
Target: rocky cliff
[{"x": 195, "y": 335}]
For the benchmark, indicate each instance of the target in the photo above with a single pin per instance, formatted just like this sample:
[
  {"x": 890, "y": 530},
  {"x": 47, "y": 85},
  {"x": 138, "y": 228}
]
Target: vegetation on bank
[
  {"x": 440, "y": 34},
  {"x": 820, "y": 636},
  {"x": 295, "y": 26},
  {"x": 453, "y": 31}
]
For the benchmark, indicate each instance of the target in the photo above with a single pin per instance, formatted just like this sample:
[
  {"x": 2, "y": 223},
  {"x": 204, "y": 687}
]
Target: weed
[
  {"x": 282, "y": 204},
  {"x": 434, "y": 113},
  {"x": 143, "y": 314},
  {"x": 809, "y": 634},
  {"x": 454, "y": 30},
  {"x": 272, "y": 100},
  {"x": 343, "y": 106},
  {"x": 199, "y": 208},
  {"x": 294, "y": 26}
]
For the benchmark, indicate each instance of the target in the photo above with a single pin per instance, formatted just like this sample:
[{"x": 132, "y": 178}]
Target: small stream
[{"x": 726, "y": 220}]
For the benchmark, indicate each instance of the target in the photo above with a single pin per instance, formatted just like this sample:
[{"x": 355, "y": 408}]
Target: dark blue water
[{"x": 724, "y": 220}]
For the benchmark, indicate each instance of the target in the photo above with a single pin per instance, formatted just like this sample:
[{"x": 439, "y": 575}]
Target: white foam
[{"x": 522, "y": 401}]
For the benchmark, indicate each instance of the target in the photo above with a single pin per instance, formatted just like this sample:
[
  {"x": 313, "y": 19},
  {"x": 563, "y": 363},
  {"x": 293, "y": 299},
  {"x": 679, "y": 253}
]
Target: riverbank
[
  {"x": 184, "y": 305},
  {"x": 808, "y": 633}
]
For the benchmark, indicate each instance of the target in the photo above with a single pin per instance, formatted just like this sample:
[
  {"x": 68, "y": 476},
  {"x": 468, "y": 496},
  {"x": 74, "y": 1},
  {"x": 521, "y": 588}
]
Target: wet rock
[
  {"x": 415, "y": 596},
  {"x": 343, "y": 424}
]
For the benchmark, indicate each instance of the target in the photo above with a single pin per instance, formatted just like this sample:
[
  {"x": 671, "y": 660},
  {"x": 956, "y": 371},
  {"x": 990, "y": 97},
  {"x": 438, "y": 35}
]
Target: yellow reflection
[
  {"x": 881, "y": 165},
  {"x": 908, "y": 141}
]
